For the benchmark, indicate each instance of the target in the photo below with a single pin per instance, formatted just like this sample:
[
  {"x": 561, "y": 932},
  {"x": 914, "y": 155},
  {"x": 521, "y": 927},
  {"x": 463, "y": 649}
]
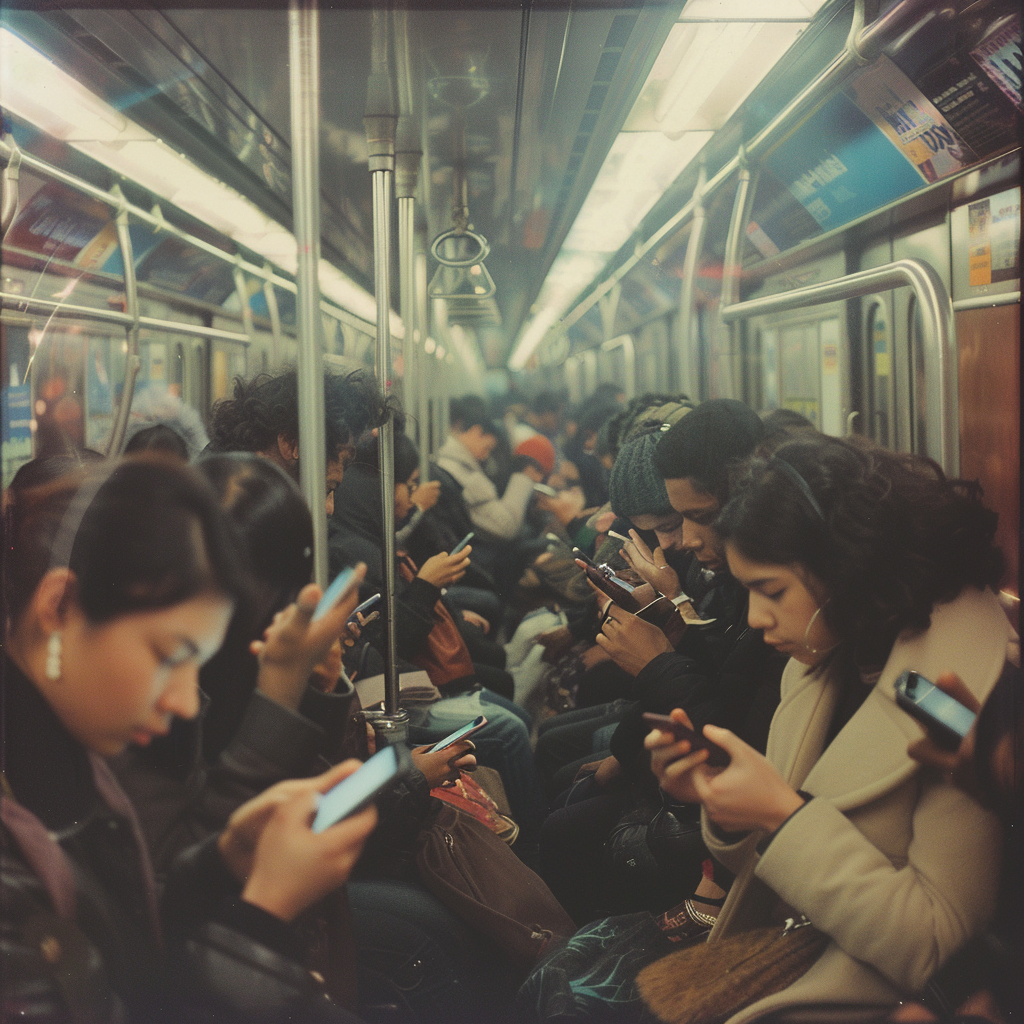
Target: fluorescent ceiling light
[
  {"x": 714, "y": 57},
  {"x": 35, "y": 89},
  {"x": 705, "y": 71},
  {"x": 750, "y": 10}
]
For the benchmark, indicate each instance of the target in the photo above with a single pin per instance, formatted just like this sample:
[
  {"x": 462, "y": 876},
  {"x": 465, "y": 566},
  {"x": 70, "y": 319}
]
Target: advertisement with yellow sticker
[{"x": 909, "y": 120}]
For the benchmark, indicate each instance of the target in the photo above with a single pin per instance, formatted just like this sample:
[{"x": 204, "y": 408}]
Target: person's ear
[
  {"x": 53, "y": 598},
  {"x": 288, "y": 447}
]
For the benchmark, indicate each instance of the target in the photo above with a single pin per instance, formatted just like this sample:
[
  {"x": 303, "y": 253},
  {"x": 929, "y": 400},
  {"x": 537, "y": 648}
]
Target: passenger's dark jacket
[
  {"x": 723, "y": 674},
  {"x": 80, "y": 938}
]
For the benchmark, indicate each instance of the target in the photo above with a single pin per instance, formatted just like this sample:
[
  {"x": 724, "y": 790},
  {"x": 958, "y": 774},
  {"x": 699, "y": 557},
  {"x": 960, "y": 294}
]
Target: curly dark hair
[
  {"x": 267, "y": 407},
  {"x": 886, "y": 534}
]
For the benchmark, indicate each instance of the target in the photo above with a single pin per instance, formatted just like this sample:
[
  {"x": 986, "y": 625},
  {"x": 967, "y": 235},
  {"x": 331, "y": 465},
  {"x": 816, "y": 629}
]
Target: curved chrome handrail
[{"x": 936, "y": 312}]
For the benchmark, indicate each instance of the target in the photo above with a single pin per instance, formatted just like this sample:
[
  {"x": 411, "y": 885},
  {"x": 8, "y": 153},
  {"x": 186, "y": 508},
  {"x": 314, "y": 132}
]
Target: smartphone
[
  {"x": 362, "y": 609},
  {"x": 361, "y": 787},
  {"x": 613, "y": 588},
  {"x": 583, "y": 557},
  {"x": 545, "y": 489},
  {"x": 462, "y": 543},
  {"x": 335, "y": 592},
  {"x": 618, "y": 536},
  {"x": 460, "y": 734},
  {"x": 717, "y": 756},
  {"x": 946, "y": 719}
]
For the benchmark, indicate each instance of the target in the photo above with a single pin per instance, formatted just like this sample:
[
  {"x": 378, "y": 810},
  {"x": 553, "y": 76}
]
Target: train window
[
  {"x": 768, "y": 344},
  {"x": 880, "y": 367},
  {"x": 176, "y": 370},
  {"x": 800, "y": 370},
  {"x": 832, "y": 411},
  {"x": 918, "y": 379}
]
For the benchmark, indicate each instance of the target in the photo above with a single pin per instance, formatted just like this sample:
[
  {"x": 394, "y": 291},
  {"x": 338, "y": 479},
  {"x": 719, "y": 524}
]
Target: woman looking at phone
[
  {"x": 119, "y": 584},
  {"x": 860, "y": 563}
]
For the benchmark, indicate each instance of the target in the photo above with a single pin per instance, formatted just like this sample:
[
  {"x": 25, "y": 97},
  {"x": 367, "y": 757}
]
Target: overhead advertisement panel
[{"x": 872, "y": 144}]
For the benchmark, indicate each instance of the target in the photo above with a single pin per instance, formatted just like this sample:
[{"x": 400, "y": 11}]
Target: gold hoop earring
[
  {"x": 54, "y": 650},
  {"x": 807, "y": 632}
]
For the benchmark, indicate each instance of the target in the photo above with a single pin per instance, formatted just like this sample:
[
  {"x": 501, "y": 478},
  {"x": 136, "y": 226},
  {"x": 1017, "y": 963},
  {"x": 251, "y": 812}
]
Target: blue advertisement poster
[
  {"x": 840, "y": 166},
  {"x": 870, "y": 145}
]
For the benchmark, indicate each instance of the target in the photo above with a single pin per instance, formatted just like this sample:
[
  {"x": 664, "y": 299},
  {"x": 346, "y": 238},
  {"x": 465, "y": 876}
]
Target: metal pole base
[{"x": 388, "y": 729}]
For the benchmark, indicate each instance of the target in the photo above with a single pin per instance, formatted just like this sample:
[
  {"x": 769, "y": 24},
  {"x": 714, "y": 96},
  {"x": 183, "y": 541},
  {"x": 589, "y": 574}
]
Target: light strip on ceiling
[
  {"x": 710, "y": 63},
  {"x": 39, "y": 92}
]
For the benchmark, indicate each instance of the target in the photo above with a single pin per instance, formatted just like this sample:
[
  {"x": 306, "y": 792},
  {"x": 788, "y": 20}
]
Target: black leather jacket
[{"x": 82, "y": 938}]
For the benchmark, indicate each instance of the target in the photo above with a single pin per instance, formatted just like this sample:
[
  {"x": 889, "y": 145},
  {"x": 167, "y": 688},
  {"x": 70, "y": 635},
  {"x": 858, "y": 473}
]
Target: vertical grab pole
[
  {"x": 275, "y": 317},
  {"x": 424, "y": 377},
  {"x": 131, "y": 302},
  {"x": 304, "y": 75},
  {"x": 380, "y": 122},
  {"x": 408, "y": 156},
  {"x": 688, "y": 339}
]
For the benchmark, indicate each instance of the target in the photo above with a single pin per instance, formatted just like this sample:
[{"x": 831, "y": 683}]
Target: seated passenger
[
  {"x": 118, "y": 585},
  {"x": 426, "y": 633},
  {"x": 473, "y": 437},
  {"x": 721, "y": 672},
  {"x": 860, "y": 563},
  {"x": 263, "y": 417}
]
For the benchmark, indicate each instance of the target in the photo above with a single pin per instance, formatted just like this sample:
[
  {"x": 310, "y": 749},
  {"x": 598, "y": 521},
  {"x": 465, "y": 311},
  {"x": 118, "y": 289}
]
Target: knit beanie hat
[
  {"x": 707, "y": 441},
  {"x": 540, "y": 449},
  {"x": 636, "y": 487}
]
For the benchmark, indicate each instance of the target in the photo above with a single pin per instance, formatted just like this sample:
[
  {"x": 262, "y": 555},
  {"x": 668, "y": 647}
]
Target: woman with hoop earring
[{"x": 860, "y": 563}]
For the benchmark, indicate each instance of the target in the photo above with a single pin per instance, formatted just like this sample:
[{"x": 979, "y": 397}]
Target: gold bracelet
[{"x": 698, "y": 916}]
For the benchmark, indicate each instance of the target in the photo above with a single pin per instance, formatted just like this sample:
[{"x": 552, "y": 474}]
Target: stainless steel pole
[
  {"x": 380, "y": 122},
  {"x": 131, "y": 302},
  {"x": 304, "y": 74},
  {"x": 689, "y": 339}
]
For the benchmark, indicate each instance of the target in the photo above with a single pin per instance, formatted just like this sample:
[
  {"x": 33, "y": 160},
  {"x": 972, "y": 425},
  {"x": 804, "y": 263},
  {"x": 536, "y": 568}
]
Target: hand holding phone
[
  {"x": 462, "y": 543},
  {"x": 343, "y": 582},
  {"x": 946, "y": 719},
  {"x": 717, "y": 756},
  {"x": 460, "y": 734},
  {"x": 386, "y": 767},
  {"x": 363, "y": 609}
]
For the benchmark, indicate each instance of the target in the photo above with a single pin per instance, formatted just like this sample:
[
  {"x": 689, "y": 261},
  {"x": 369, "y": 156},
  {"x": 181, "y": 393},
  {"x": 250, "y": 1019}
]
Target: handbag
[
  {"x": 469, "y": 869},
  {"x": 468, "y": 796},
  {"x": 653, "y": 856},
  {"x": 446, "y": 657},
  {"x": 707, "y": 984}
]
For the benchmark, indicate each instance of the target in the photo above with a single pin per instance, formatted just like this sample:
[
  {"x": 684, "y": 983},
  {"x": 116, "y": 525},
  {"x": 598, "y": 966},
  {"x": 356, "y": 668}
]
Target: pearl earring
[{"x": 54, "y": 649}]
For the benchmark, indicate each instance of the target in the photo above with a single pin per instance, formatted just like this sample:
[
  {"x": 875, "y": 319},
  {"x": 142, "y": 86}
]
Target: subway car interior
[{"x": 809, "y": 206}]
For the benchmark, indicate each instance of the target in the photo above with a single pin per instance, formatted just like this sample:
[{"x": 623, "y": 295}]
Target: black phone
[
  {"x": 362, "y": 787},
  {"x": 717, "y": 756},
  {"x": 945, "y": 718},
  {"x": 462, "y": 543},
  {"x": 610, "y": 586}
]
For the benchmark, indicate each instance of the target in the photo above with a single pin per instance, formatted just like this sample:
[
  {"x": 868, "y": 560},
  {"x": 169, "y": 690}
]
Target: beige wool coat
[{"x": 898, "y": 867}]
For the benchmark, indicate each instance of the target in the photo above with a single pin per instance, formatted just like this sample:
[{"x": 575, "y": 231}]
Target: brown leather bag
[
  {"x": 469, "y": 869},
  {"x": 446, "y": 658}
]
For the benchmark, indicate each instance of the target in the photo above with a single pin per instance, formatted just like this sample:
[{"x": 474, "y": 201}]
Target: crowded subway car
[{"x": 511, "y": 512}]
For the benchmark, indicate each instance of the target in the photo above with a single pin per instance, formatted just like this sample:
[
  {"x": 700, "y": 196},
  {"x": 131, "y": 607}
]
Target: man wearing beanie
[{"x": 722, "y": 673}]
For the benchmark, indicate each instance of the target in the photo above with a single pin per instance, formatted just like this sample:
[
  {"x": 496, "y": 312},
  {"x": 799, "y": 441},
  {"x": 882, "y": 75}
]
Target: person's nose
[
  {"x": 758, "y": 613},
  {"x": 669, "y": 541},
  {"x": 691, "y": 538},
  {"x": 181, "y": 696}
]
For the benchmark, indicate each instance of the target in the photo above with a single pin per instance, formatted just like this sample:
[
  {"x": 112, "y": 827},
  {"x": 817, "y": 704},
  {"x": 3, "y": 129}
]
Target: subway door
[
  {"x": 924, "y": 410},
  {"x": 872, "y": 351}
]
